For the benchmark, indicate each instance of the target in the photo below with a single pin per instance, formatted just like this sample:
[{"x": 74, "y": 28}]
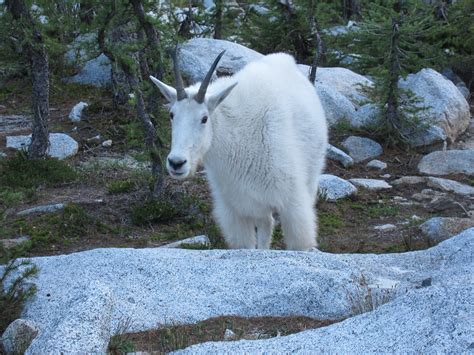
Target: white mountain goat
[{"x": 261, "y": 135}]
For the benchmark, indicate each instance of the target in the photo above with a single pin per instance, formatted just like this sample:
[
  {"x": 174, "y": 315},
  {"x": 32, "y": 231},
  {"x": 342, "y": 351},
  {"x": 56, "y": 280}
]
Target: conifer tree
[{"x": 29, "y": 34}]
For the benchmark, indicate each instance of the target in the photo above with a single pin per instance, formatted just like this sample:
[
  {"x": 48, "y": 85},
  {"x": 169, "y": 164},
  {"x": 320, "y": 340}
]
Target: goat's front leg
[{"x": 239, "y": 232}]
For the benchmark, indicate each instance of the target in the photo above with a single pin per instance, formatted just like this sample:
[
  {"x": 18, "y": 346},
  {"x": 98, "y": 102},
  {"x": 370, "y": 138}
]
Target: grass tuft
[{"x": 154, "y": 212}]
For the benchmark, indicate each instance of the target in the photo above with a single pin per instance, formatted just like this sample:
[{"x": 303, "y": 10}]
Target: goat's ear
[
  {"x": 168, "y": 92},
  {"x": 215, "y": 99}
]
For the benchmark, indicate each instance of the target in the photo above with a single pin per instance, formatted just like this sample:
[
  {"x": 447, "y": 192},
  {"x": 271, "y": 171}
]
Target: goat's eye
[
  {"x": 204, "y": 119},
  {"x": 171, "y": 115}
]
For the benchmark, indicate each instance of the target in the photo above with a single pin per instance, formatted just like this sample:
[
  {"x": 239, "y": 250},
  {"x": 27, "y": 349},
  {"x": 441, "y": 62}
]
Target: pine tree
[
  {"x": 394, "y": 39},
  {"x": 29, "y": 34}
]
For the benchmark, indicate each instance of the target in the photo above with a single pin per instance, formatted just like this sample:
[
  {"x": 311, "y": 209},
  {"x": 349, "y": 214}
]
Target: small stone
[
  {"x": 94, "y": 139},
  {"x": 334, "y": 188},
  {"x": 438, "y": 229},
  {"x": 448, "y": 162},
  {"x": 385, "y": 227},
  {"x": 336, "y": 154},
  {"x": 107, "y": 143},
  {"x": 18, "y": 336},
  {"x": 450, "y": 186},
  {"x": 360, "y": 148},
  {"x": 416, "y": 218},
  {"x": 386, "y": 176},
  {"x": 371, "y": 184},
  {"x": 61, "y": 145},
  {"x": 200, "y": 240},
  {"x": 229, "y": 335},
  {"x": 399, "y": 198},
  {"x": 76, "y": 112},
  {"x": 42, "y": 209},
  {"x": 376, "y": 164},
  {"x": 409, "y": 180},
  {"x": 441, "y": 203},
  {"x": 12, "y": 243}
]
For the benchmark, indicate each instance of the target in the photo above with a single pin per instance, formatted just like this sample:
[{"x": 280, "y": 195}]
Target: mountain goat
[{"x": 261, "y": 135}]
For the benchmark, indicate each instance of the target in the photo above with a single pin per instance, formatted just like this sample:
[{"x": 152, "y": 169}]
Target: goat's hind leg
[
  {"x": 298, "y": 221},
  {"x": 239, "y": 232},
  {"x": 264, "y": 232}
]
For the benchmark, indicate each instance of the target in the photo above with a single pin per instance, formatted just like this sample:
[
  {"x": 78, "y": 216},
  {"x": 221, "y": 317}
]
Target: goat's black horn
[
  {"x": 181, "y": 94},
  {"x": 205, "y": 83}
]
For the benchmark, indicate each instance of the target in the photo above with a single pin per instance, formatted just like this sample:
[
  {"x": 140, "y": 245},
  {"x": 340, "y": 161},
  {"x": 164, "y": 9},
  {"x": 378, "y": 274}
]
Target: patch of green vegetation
[
  {"x": 120, "y": 342},
  {"x": 342, "y": 127},
  {"x": 10, "y": 198},
  {"x": 214, "y": 234},
  {"x": 58, "y": 228},
  {"x": 194, "y": 246},
  {"x": 383, "y": 210},
  {"x": 329, "y": 222},
  {"x": 277, "y": 237},
  {"x": 154, "y": 211},
  {"x": 20, "y": 172},
  {"x": 120, "y": 187},
  {"x": 133, "y": 133}
]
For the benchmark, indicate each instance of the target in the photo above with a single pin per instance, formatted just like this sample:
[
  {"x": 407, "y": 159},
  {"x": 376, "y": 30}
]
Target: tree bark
[
  {"x": 150, "y": 131},
  {"x": 33, "y": 46},
  {"x": 218, "y": 19},
  {"x": 393, "y": 114}
]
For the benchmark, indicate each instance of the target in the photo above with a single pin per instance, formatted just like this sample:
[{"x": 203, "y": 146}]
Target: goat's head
[{"x": 191, "y": 120}]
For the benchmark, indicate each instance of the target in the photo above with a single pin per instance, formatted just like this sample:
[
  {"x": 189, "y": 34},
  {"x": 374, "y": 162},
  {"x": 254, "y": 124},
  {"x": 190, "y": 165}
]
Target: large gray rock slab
[
  {"x": 83, "y": 328},
  {"x": 334, "y": 188},
  {"x": 447, "y": 162},
  {"x": 74, "y": 304},
  {"x": 436, "y": 317},
  {"x": 197, "y": 55},
  {"x": 336, "y": 154},
  {"x": 96, "y": 72},
  {"x": 448, "y": 109},
  {"x": 438, "y": 229},
  {"x": 360, "y": 148},
  {"x": 61, "y": 146}
]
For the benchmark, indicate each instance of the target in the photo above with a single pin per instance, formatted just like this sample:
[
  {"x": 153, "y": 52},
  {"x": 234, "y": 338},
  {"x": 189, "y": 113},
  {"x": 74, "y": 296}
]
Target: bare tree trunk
[
  {"x": 351, "y": 9},
  {"x": 218, "y": 18},
  {"x": 34, "y": 48},
  {"x": 319, "y": 49}
]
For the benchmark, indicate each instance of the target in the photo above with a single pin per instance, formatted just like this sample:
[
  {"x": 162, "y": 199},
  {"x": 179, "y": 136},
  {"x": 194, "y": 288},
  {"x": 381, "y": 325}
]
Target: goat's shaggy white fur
[{"x": 263, "y": 150}]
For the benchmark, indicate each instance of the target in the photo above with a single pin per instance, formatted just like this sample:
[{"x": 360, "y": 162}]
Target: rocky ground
[{"x": 373, "y": 199}]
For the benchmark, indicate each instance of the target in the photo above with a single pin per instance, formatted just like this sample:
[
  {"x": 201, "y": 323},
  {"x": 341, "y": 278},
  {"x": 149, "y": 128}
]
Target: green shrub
[
  {"x": 120, "y": 187},
  {"x": 15, "y": 292},
  {"x": 19, "y": 172}
]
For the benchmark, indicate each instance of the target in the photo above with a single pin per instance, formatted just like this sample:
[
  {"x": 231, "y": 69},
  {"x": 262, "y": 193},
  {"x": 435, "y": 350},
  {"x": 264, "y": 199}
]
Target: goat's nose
[{"x": 176, "y": 163}]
